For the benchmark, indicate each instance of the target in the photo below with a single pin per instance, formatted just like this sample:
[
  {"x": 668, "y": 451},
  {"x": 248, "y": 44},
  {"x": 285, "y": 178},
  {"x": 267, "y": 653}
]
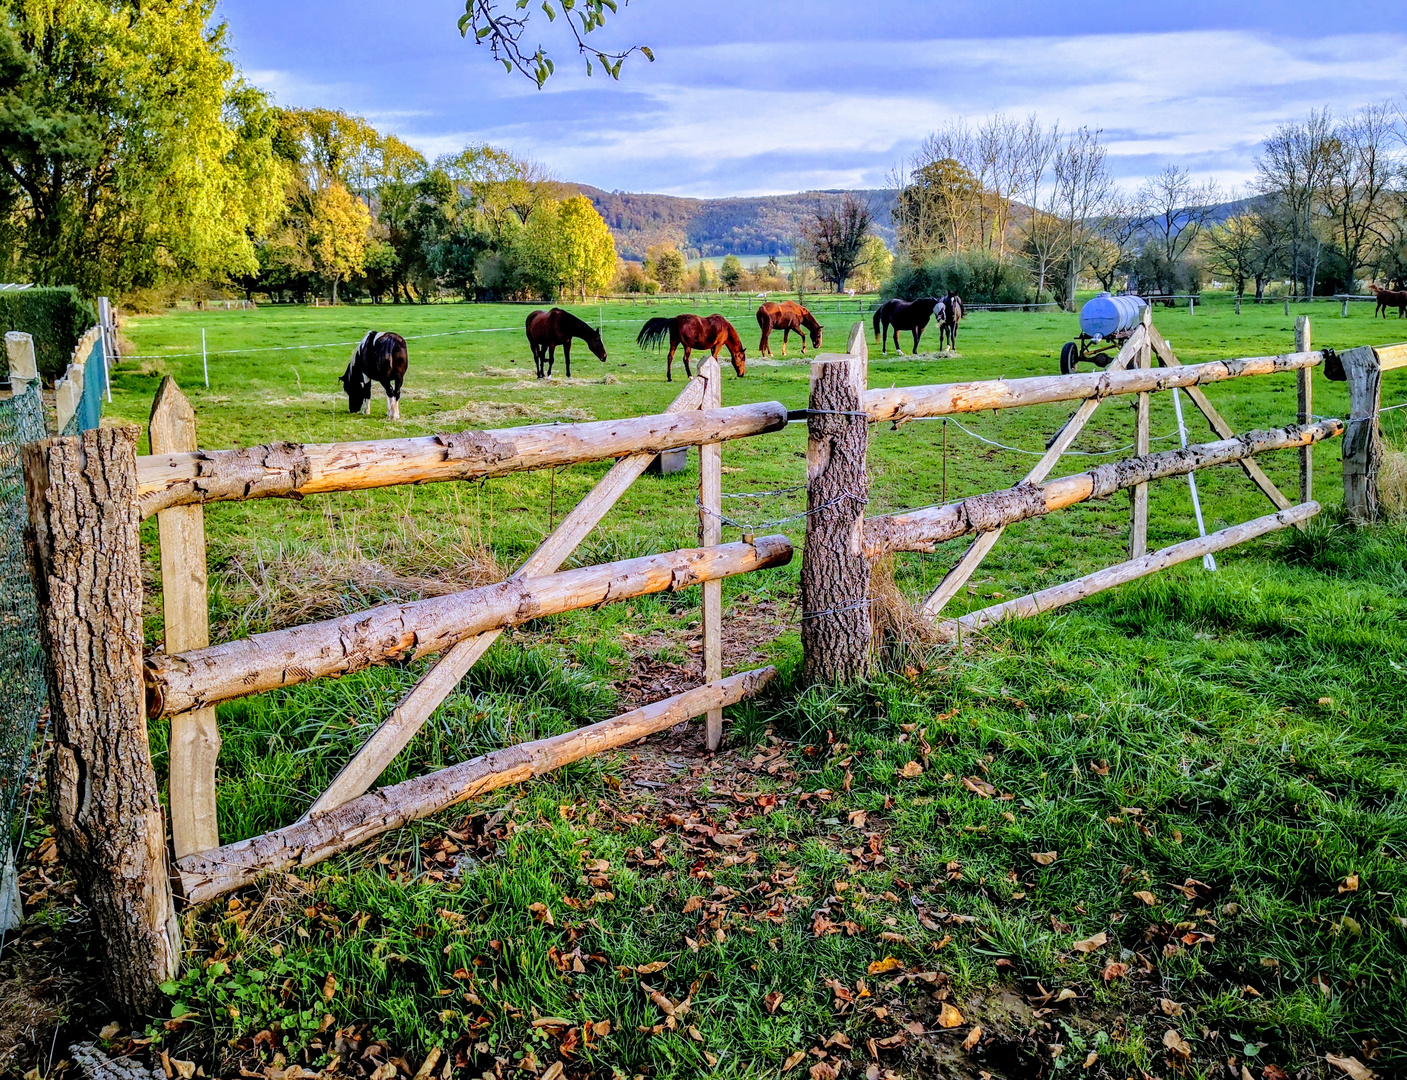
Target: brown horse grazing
[
  {"x": 786, "y": 317},
  {"x": 694, "y": 332},
  {"x": 949, "y": 314},
  {"x": 903, "y": 315},
  {"x": 1386, "y": 299},
  {"x": 548, "y": 329}
]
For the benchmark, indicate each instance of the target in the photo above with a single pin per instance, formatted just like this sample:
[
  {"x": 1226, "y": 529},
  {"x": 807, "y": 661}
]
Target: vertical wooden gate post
[
  {"x": 1362, "y": 441},
  {"x": 1138, "y": 497},
  {"x": 195, "y": 737},
  {"x": 711, "y": 534},
  {"x": 835, "y": 574},
  {"x": 86, "y": 563},
  {"x": 1303, "y": 343}
]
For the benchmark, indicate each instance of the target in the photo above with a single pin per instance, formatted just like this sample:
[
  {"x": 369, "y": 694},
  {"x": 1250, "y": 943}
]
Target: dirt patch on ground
[{"x": 488, "y": 413}]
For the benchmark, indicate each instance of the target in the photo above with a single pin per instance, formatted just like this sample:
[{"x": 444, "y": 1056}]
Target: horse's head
[
  {"x": 596, "y": 345},
  {"x": 738, "y": 355},
  {"x": 816, "y": 335},
  {"x": 357, "y": 387}
]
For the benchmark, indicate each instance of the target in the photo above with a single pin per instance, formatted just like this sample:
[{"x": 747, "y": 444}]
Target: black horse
[
  {"x": 548, "y": 329},
  {"x": 382, "y": 357},
  {"x": 899, "y": 315}
]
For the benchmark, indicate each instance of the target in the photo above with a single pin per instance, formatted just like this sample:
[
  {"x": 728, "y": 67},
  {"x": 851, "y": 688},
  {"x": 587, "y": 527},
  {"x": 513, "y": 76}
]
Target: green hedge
[
  {"x": 976, "y": 276},
  {"x": 57, "y": 317}
]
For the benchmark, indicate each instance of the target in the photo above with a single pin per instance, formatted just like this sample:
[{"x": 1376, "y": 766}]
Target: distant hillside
[{"x": 756, "y": 225}]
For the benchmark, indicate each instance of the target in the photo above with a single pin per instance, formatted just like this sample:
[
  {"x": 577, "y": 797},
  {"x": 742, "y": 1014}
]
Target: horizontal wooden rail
[
  {"x": 201, "y": 677},
  {"x": 297, "y": 469},
  {"x": 922, "y": 530},
  {"x": 1067, "y": 593},
  {"x": 208, "y": 874},
  {"x": 916, "y": 402},
  {"x": 1391, "y": 357}
]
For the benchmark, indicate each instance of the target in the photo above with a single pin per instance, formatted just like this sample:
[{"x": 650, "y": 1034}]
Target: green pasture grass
[{"x": 1243, "y": 729}]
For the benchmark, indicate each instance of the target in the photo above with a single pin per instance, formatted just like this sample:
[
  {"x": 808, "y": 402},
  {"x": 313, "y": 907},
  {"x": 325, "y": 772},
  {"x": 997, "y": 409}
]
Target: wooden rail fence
[{"x": 88, "y": 494}]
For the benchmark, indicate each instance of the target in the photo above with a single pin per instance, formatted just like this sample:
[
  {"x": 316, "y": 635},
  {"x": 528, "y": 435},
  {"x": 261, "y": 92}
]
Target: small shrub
[
  {"x": 976, "y": 276},
  {"x": 56, "y": 317}
]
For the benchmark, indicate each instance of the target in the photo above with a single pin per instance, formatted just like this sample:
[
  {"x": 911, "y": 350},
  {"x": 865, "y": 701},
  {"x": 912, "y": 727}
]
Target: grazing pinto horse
[
  {"x": 899, "y": 315},
  {"x": 1386, "y": 299},
  {"x": 786, "y": 317},
  {"x": 381, "y": 356},
  {"x": 949, "y": 314},
  {"x": 694, "y": 332},
  {"x": 548, "y": 329}
]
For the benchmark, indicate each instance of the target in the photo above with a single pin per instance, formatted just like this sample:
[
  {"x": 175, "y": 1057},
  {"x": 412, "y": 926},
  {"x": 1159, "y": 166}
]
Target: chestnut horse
[
  {"x": 1386, "y": 299},
  {"x": 949, "y": 314},
  {"x": 786, "y": 317},
  {"x": 548, "y": 329},
  {"x": 694, "y": 332},
  {"x": 899, "y": 315}
]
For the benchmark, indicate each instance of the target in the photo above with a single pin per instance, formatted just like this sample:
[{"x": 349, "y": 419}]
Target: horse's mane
[{"x": 577, "y": 323}]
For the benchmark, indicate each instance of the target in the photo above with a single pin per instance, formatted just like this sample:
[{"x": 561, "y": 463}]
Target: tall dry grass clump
[{"x": 1392, "y": 485}]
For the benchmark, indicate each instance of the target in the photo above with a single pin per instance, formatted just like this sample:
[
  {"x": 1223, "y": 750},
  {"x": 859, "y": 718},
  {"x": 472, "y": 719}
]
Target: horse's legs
[
  {"x": 884, "y": 340},
  {"x": 669, "y": 364},
  {"x": 567, "y": 356},
  {"x": 687, "y": 370},
  {"x": 786, "y": 333},
  {"x": 762, "y": 345},
  {"x": 918, "y": 333}
]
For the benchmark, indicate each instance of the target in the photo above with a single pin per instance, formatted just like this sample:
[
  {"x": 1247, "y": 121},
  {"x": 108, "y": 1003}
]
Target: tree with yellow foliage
[{"x": 338, "y": 234}]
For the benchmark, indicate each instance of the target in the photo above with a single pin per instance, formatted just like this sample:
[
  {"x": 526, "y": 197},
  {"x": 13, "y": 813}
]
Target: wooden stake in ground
[
  {"x": 85, "y": 559},
  {"x": 1363, "y": 443},
  {"x": 1138, "y": 497},
  {"x": 1305, "y": 388},
  {"x": 436, "y": 684},
  {"x": 194, "y": 743},
  {"x": 208, "y": 874},
  {"x": 711, "y": 534},
  {"x": 835, "y": 573}
]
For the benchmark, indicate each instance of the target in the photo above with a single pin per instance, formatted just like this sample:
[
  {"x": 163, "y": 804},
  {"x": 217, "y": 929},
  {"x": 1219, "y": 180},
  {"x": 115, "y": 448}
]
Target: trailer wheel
[{"x": 1069, "y": 357}]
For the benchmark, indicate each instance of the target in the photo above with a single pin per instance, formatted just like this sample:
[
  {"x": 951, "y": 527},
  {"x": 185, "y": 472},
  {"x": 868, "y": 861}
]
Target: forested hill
[{"x": 756, "y": 225}]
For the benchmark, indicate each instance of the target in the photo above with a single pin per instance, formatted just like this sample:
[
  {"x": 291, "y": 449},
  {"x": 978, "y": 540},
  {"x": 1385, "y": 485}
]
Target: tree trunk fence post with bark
[
  {"x": 1363, "y": 442},
  {"x": 835, "y": 571},
  {"x": 85, "y": 559}
]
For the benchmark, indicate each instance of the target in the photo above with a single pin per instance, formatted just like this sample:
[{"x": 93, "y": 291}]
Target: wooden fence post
[
  {"x": 85, "y": 559},
  {"x": 1303, "y": 338},
  {"x": 1138, "y": 497},
  {"x": 835, "y": 573},
  {"x": 1363, "y": 442},
  {"x": 195, "y": 737},
  {"x": 710, "y": 535},
  {"x": 23, "y": 368}
]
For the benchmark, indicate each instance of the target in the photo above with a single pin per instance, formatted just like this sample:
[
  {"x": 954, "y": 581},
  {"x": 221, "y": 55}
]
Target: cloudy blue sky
[{"x": 767, "y": 96}]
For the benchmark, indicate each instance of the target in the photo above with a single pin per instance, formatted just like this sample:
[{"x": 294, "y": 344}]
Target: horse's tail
[
  {"x": 654, "y": 332},
  {"x": 877, "y": 312}
]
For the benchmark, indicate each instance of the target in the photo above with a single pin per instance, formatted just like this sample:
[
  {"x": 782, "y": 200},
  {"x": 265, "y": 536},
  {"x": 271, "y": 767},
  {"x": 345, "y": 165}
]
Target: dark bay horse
[
  {"x": 1386, "y": 299},
  {"x": 786, "y": 317},
  {"x": 381, "y": 356},
  {"x": 694, "y": 332},
  {"x": 548, "y": 329},
  {"x": 949, "y": 314},
  {"x": 899, "y": 315}
]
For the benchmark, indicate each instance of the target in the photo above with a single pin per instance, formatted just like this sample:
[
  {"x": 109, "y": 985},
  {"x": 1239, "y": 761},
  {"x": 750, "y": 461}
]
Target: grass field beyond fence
[{"x": 1152, "y": 834}]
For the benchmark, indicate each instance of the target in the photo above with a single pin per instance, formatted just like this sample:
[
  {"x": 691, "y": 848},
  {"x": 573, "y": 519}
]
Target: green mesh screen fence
[{"x": 21, "y": 661}]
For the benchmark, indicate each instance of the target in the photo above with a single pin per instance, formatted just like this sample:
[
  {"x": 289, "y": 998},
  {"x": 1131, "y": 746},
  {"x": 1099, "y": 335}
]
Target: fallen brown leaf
[
  {"x": 1115, "y": 970},
  {"x": 1351, "y": 1065},
  {"x": 1349, "y": 884},
  {"x": 973, "y": 1038},
  {"x": 1090, "y": 944},
  {"x": 1170, "y": 1007},
  {"x": 794, "y": 1060},
  {"x": 949, "y": 1017},
  {"x": 772, "y": 1000},
  {"x": 542, "y": 913},
  {"x": 888, "y": 964},
  {"x": 1090, "y": 1059},
  {"x": 911, "y": 770},
  {"x": 329, "y": 986},
  {"x": 554, "y": 1071},
  {"x": 652, "y": 967},
  {"x": 824, "y": 1070},
  {"x": 978, "y": 786},
  {"x": 1147, "y": 897},
  {"x": 693, "y": 904},
  {"x": 1176, "y": 1044},
  {"x": 1044, "y": 858}
]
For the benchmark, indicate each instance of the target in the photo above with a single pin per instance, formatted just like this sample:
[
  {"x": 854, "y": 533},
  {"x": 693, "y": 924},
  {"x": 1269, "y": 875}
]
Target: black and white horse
[{"x": 382, "y": 357}]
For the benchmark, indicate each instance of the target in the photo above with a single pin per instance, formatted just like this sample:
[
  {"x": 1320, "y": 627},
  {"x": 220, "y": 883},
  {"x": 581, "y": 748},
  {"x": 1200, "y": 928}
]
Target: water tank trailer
[{"x": 1105, "y": 324}]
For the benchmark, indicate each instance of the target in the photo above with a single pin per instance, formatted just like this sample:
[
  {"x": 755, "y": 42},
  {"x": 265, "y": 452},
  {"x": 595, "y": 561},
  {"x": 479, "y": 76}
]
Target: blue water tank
[{"x": 1107, "y": 315}]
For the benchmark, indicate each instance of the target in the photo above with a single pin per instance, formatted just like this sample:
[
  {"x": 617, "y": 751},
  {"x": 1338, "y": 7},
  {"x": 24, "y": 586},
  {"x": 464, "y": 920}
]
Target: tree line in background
[{"x": 1014, "y": 210}]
